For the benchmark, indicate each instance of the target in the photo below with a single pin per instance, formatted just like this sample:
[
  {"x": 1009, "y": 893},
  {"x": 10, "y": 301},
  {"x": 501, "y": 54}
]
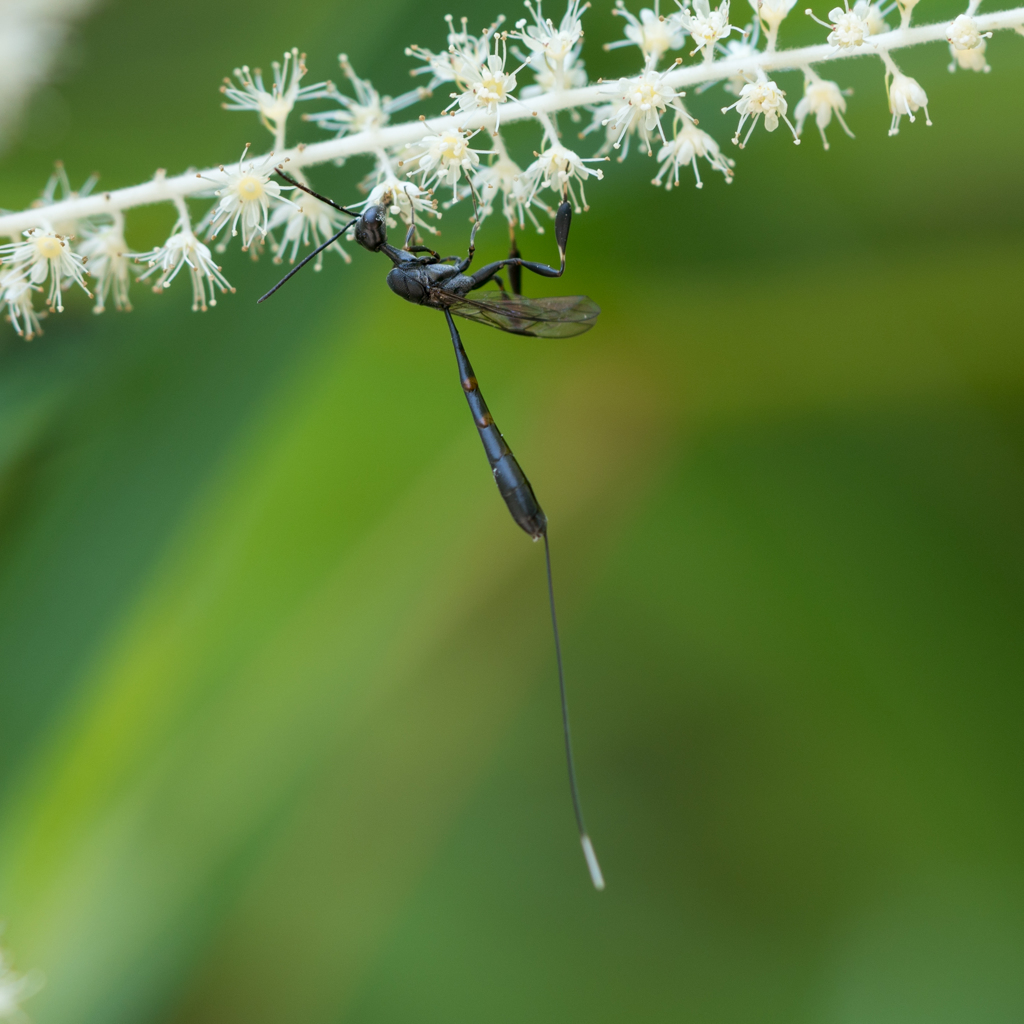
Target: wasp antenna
[
  {"x": 316, "y": 252},
  {"x": 315, "y": 195}
]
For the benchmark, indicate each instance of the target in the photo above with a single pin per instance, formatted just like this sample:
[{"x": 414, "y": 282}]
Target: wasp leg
[
  {"x": 562, "y": 220},
  {"x": 515, "y": 272},
  {"x": 424, "y": 248}
]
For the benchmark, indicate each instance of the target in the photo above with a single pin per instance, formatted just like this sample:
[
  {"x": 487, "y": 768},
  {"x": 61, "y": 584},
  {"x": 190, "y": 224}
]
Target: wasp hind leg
[{"x": 514, "y": 263}]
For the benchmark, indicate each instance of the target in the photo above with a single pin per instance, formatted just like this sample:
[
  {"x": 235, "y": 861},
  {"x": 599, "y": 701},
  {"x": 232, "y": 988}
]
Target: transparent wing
[{"x": 560, "y": 316}]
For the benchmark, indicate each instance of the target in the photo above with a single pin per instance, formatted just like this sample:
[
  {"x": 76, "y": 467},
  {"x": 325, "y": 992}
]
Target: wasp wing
[{"x": 559, "y": 316}]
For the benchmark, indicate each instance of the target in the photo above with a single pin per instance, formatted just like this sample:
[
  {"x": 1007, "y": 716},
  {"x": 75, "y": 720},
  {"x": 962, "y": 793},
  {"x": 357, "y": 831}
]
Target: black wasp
[{"x": 442, "y": 282}]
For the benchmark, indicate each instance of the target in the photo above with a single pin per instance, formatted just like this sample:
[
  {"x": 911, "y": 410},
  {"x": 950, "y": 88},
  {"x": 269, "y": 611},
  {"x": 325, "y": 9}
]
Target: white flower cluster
[
  {"x": 77, "y": 239},
  {"x": 43, "y": 261}
]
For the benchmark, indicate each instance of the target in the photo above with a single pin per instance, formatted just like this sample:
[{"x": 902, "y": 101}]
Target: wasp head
[{"x": 371, "y": 228}]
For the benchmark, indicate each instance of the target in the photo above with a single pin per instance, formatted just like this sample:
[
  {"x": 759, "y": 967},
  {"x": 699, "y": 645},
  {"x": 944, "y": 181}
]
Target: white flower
[
  {"x": 772, "y": 12},
  {"x": 505, "y": 178},
  {"x": 604, "y": 117},
  {"x": 306, "y": 221},
  {"x": 403, "y": 199},
  {"x": 821, "y": 98},
  {"x": 639, "y": 104},
  {"x": 967, "y": 44},
  {"x": 67, "y": 228},
  {"x": 848, "y": 27},
  {"x": 553, "y": 53},
  {"x": 462, "y": 49},
  {"x": 963, "y": 33},
  {"x": 557, "y": 168},
  {"x": 245, "y": 196},
  {"x": 757, "y": 98},
  {"x": 905, "y": 96},
  {"x": 367, "y": 112},
  {"x": 873, "y": 14},
  {"x": 499, "y": 178},
  {"x": 548, "y": 77},
  {"x": 969, "y": 60},
  {"x": 546, "y": 41},
  {"x": 444, "y": 158},
  {"x": 15, "y": 988},
  {"x": 16, "y": 294},
  {"x": 106, "y": 251},
  {"x": 470, "y": 64},
  {"x": 274, "y": 105},
  {"x": 183, "y": 249},
  {"x": 706, "y": 26},
  {"x": 45, "y": 254},
  {"x": 652, "y": 32},
  {"x": 486, "y": 86},
  {"x": 689, "y": 144}
]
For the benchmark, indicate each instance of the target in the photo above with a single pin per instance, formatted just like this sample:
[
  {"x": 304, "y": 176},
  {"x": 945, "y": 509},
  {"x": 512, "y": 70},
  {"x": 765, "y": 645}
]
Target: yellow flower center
[
  {"x": 646, "y": 95},
  {"x": 274, "y": 108},
  {"x": 48, "y": 247},
  {"x": 453, "y": 148},
  {"x": 250, "y": 188},
  {"x": 493, "y": 86}
]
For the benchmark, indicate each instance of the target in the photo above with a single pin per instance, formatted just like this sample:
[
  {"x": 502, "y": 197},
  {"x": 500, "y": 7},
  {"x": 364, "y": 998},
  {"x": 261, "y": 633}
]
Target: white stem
[
  {"x": 164, "y": 189},
  {"x": 549, "y": 129},
  {"x": 499, "y": 146},
  {"x": 890, "y": 64},
  {"x": 183, "y": 218}
]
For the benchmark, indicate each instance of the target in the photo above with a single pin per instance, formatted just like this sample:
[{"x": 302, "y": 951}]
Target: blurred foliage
[{"x": 279, "y": 735}]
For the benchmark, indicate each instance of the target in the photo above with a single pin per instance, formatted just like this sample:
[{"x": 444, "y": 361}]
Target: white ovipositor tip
[{"x": 595, "y": 869}]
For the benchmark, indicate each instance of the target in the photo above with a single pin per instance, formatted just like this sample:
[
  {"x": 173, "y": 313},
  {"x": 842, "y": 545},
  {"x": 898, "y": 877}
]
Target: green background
[{"x": 279, "y": 734}]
